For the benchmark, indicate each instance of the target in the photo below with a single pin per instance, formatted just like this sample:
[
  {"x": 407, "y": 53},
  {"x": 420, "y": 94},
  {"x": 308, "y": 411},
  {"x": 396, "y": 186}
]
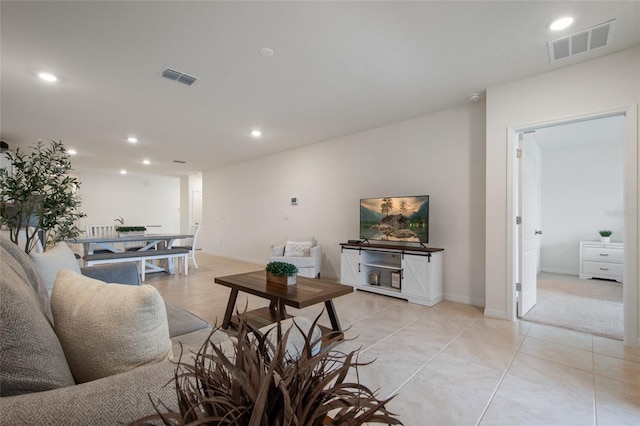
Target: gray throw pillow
[{"x": 31, "y": 357}]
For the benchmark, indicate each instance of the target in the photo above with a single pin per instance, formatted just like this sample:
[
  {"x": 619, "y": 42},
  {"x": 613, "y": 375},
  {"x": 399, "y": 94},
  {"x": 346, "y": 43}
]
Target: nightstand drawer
[
  {"x": 598, "y": 254},
  {"x": 602, "y": 269}
]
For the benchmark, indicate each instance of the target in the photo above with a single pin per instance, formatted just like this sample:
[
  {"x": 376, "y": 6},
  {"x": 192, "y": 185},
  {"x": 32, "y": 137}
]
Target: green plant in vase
[
  {"x": 605, "y": 235},
  {"x": 281, "y": 273}
]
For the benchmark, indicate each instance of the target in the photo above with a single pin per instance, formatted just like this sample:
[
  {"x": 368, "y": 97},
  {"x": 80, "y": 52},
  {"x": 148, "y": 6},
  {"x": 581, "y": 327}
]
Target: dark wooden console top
[{"x": 392, "y": 247}]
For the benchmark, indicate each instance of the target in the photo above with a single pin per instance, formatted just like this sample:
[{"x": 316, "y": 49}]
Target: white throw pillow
[
  {"x": 53, "y": 261},
  {"x": 298, "y": 248},
  {"x": 107, "y": 329}
]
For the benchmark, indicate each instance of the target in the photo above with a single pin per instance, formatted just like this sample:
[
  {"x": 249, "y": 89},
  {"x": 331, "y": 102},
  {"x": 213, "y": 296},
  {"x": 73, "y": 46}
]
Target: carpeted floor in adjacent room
[{"x": 590, "y": 306}]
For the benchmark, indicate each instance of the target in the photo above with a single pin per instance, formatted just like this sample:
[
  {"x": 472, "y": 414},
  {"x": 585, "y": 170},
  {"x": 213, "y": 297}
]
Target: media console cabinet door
[
  {"x": 416, "y": 276},
  {"x": 350, "y": 267},
  {"x": 422, "y": 277}
]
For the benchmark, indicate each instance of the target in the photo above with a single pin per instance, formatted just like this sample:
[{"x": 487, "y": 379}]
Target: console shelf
[{"x": 418, "y": 270}]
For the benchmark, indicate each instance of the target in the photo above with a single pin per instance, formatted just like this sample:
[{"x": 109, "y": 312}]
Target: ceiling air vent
[
  {"x": 592, "y": 38},
  {"x": 178, "y": 76},
  {"x": 180, "y": 161}
]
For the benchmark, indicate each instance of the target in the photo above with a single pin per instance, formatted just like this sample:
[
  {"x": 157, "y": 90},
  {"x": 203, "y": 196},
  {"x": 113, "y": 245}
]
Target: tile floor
[{"x": 448, "y": 364}]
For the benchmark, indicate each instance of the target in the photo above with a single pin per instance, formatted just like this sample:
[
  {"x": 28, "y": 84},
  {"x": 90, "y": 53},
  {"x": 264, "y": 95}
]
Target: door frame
[{"x": 631, "y": 216}]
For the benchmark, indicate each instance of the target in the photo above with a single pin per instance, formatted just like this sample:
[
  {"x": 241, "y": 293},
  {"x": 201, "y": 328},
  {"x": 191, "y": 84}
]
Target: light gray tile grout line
[
  {"x": 386, "y": 337},
  {"x": 506, "y": 370},
  {"x": 433, "y": 357},
  {"x": 593, "y": 372}
]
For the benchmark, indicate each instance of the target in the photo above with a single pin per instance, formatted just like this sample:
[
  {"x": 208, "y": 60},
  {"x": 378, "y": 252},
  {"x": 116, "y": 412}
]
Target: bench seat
[{"x": 139, "y": 256}]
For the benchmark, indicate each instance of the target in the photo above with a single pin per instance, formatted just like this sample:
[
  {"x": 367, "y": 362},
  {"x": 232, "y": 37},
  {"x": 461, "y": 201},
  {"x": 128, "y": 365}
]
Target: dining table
[{"x": 116, "y": 244}]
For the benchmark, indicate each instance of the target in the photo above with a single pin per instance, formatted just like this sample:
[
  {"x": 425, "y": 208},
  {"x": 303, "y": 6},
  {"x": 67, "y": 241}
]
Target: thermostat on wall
[{"x": 294, "y": 201}]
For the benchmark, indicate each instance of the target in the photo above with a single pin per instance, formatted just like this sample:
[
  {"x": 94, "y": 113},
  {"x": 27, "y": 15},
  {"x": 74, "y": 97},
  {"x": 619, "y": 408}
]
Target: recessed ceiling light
[
  {"x": 132, "y": 139},
  {"x": 266, "y": 52},
  {"x": 561, "y": 23},
  {"x": 146, "y": 162},
  {"x": 123, "y": 172},
  {"x": 72, "y": 151},
  {"x": 256, "y": 133},
  {"x": 48, "y": 77}
]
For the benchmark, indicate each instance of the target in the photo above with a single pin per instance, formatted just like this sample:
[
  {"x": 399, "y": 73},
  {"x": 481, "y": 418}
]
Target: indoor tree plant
[
  {"x": 281, "y": 273},
  {"x": 38, "y": 198}
]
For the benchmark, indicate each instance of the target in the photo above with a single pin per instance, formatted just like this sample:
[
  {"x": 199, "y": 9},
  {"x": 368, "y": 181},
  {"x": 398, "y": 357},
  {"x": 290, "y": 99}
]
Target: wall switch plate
[{"x": 294, "y": 201}]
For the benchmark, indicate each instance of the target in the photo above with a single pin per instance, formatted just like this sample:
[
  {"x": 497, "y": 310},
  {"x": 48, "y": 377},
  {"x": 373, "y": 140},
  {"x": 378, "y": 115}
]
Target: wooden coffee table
[{"x": 305, "y": 293}]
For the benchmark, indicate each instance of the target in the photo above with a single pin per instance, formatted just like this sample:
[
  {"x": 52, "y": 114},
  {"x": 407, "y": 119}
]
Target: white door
[
  {"x": 527, "y": 234},
  {"x": 196, "y": 213}
]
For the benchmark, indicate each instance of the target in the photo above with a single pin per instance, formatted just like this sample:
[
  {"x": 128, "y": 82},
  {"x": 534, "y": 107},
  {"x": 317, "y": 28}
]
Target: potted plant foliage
[
  {"x": 605, "y": 235},
  {"x": 258, "y": 382},
  {"x": 39, "y": 200},
  {"x": 281, "y": 273},
  {"x": 130, "y": 230}
]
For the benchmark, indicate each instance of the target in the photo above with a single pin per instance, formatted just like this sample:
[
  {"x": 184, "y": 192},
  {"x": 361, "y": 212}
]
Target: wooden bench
[{"x": 142, "y": 256}]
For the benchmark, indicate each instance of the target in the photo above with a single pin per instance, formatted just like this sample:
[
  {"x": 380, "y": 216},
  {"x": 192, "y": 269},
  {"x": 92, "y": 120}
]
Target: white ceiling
[{"x": 339, "y": 68}]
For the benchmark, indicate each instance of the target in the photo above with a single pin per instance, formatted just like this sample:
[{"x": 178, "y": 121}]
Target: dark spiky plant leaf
[{"x": 255, "y": 381}]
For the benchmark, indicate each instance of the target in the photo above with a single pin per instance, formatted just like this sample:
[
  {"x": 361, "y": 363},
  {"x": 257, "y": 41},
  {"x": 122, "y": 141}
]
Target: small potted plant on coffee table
[{"x": 281, "y": 273}]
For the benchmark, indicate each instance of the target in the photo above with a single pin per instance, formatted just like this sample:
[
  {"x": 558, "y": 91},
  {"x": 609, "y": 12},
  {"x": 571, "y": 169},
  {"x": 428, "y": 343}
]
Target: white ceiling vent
[
  {"x": 592, "y": 38},
  {"x": 178, "y": 76}
]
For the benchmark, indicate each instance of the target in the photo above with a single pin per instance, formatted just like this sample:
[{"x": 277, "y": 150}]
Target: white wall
[
  {"x": 140, "y": 200},
  {"x": 592, "y": 174},
  {"x": 441, "y": 155},
  {"x": 590, "y": 88}
]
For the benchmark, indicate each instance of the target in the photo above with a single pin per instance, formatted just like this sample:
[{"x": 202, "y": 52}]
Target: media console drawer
[{"x": 601, "y": 260}]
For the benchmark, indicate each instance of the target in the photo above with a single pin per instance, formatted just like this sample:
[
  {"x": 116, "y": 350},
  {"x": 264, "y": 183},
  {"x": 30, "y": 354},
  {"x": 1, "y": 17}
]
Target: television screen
[{"x": 395, "y": 219}]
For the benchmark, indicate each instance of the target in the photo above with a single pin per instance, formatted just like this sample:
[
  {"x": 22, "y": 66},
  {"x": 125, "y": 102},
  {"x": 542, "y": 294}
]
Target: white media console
[{"x": 411, "y": 273}]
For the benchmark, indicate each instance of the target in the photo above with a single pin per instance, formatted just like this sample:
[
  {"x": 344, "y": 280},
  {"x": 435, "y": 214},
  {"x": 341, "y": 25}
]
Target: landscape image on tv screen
[{"x": 395, "y": 219}]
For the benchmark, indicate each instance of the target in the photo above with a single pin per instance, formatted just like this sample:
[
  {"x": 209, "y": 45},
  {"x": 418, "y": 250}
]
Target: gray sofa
[{"x": 28, "y": 342}]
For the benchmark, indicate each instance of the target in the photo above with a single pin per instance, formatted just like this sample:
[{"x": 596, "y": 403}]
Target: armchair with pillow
[{"x": 305, "y": 253}]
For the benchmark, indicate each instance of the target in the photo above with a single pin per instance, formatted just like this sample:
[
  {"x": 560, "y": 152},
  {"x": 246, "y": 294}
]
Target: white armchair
[{"x": 305, "y": 253}]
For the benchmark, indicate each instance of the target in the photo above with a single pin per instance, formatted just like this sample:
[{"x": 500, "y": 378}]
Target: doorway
[{"x": 572, "y": 180}]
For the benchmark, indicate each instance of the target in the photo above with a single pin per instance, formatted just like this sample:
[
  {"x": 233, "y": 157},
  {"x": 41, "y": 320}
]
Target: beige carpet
[{"x": 590, "y": 306}]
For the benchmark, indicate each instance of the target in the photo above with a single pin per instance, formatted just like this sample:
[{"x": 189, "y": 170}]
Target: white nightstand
[{"x": 601, "y": 260}]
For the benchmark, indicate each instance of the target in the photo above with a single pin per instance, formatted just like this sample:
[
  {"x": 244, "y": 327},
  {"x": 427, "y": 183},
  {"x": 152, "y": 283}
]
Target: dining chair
[
  {"x": 190, "y": 243},
  {"x": 100, "y": 231},
  {"x": 97, "y": 231}
]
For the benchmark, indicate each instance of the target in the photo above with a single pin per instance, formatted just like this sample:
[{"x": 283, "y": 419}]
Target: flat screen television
[{"x": 403, "y": 219}]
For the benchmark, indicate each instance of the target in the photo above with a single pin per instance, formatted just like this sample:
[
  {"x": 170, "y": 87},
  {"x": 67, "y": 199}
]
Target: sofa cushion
[
  {"x": 301, "y": 262},
  {"x": 53, "y": 261},
  {"x": 183, "y": 322},
  {"x": 31, "y": 357},
  {"x": 107, "y": 329},
  {"x": 15, "y": 258}
]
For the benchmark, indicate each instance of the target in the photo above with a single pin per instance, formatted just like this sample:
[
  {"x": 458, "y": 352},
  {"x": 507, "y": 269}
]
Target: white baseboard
[
  {"x": 463, "y": 299},
  {"x": 560, "y": 271},
  {"x": 494, "y": 313},
  {"x": 242, "y": 259}
]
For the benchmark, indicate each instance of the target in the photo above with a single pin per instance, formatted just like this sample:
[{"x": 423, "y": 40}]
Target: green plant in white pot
[
  {"x": 39, "y": 198},
  {"x": 605, "y": 235}
]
